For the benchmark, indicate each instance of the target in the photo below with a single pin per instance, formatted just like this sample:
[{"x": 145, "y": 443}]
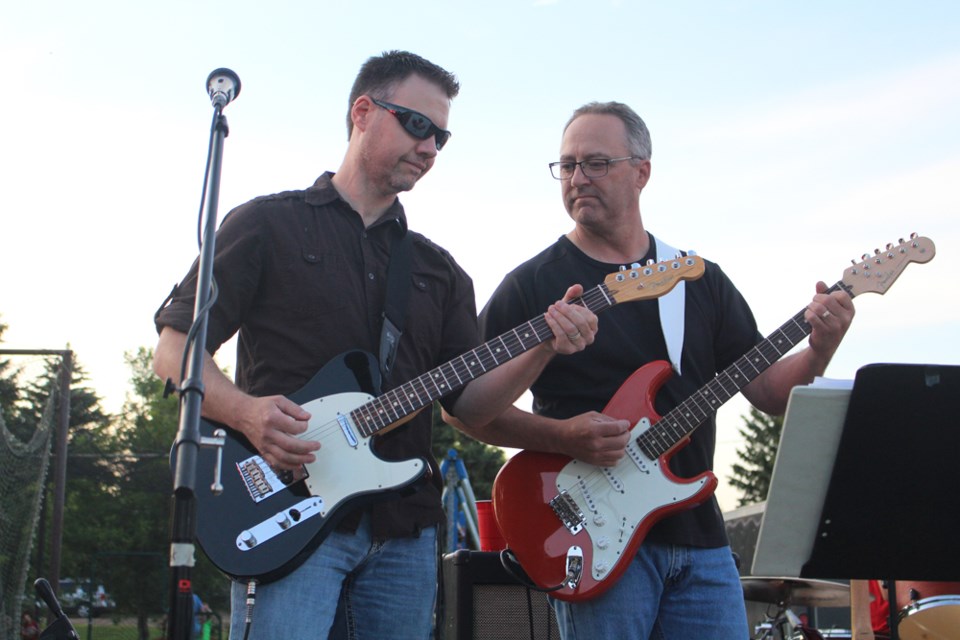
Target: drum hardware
[
  {"x": 797, "y": 591},
  {"x": 784, "y": 592}
]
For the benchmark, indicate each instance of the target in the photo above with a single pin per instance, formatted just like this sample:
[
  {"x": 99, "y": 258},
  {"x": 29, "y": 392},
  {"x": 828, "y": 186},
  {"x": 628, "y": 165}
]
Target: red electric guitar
[{"x": 576, "y": 526}]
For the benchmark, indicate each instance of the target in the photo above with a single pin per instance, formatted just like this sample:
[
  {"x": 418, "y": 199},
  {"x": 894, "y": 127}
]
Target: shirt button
[{"x": 370, "y": 276}]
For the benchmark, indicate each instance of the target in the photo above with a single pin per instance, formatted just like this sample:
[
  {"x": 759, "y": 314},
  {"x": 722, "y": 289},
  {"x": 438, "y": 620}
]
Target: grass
[{"x": 124, "y": 629}]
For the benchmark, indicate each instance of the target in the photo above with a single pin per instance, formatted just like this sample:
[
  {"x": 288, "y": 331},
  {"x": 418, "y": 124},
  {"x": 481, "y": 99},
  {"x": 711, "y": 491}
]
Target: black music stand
[{"x": 892, "y": 508}]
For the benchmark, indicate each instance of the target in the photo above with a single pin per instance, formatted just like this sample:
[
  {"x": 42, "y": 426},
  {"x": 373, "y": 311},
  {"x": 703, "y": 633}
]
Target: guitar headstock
[
  {"x": 653, "y": 280},
  {"x": 878, "y": 272}
]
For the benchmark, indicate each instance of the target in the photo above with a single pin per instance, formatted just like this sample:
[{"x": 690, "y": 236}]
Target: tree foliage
[
  {"x": 116, "y": 521},
  {"x": 761, "y": 433},
  {"x": 144, "y": 434},
  {"x": 10, "y": 395},
  {"x": 481, "y": 460}
]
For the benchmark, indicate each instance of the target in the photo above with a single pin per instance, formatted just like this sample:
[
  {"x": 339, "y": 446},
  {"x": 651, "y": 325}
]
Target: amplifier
[{"x": 481, "y": 601}]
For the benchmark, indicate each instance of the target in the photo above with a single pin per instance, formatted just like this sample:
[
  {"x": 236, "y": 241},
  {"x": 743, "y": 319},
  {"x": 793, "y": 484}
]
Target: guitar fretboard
[
  {"x": 701, "y": 405},
  {"x": 412, "y": 396}
]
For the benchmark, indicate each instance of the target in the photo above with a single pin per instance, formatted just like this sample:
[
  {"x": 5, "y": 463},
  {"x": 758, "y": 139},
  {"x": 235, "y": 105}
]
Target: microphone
[
  {"x": 45, "y": 591},
  {"x": 223, "y": 86},
  {"x": 61, "y": 628}
]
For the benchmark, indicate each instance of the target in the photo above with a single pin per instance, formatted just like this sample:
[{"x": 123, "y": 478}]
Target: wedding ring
[
  {"x": 573, "y": 336},
  {"x": 826, "y": 314}
]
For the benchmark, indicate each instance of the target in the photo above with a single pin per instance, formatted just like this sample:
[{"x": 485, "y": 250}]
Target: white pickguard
[
  {"x": 342, "y": 471},
  {"x": 614, "y": 501},
  {"x": 345, "y": 468}
]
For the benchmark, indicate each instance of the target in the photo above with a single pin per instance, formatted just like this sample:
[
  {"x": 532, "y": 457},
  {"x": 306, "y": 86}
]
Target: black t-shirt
[
  {"x": 302, "y": 281},
  {"x": 719, "y": 328}
]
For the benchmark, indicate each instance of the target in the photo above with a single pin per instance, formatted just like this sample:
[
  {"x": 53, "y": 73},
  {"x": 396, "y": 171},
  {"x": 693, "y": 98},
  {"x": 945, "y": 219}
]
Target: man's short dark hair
[{"x": 380, "y": 75}]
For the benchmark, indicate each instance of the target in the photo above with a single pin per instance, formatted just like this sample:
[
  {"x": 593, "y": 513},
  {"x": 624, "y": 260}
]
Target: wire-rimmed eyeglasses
[{"x": 592, "y": 168}]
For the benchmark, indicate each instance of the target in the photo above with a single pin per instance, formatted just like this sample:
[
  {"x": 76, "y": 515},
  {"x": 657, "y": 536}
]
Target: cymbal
[{"x": 797, "y": 591}]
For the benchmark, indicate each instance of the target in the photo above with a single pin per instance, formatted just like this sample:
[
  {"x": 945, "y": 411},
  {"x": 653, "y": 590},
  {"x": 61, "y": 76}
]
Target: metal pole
[{"x": 60, "y": 471}]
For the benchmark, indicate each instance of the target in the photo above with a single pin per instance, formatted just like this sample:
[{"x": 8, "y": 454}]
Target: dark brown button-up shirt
[{"x": 302, "y": 281}]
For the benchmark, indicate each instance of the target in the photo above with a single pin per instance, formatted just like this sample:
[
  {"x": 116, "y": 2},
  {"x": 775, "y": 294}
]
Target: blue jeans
[
  {"x": 669, "y": 592},
  {"x": 371, "y": 589}
]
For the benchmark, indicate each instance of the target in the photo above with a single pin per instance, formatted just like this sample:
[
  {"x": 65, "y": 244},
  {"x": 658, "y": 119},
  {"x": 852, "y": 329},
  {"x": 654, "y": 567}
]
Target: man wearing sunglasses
[
  {"x": 302, "y": 277},
  {"x": 683, "y": 582}
]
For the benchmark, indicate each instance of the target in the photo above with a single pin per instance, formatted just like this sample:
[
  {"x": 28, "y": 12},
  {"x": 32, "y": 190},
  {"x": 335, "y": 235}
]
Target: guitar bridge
[
  {"x": 262, "y": 481},
  {"x": 569, "y": 513}
]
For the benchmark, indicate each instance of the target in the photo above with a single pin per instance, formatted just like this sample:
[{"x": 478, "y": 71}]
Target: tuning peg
[
  {"x": 623, "y": 267},
  {"x": 635, "y": 265}
]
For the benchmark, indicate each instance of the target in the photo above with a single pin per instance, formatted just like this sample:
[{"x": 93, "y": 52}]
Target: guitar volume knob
[{"x": 599, "y": 519}]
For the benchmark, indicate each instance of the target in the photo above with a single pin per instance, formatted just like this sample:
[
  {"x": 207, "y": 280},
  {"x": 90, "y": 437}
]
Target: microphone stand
[{"x": 188, "y": 441}]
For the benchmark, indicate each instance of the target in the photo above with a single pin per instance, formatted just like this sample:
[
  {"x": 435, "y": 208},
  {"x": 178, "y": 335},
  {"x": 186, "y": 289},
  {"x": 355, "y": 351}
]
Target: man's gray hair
[{"x": 638, "y": 137}]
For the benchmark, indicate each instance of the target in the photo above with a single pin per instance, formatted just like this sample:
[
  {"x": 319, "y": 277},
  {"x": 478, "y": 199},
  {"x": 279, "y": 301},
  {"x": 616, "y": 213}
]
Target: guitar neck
[
  {"x": 398, "y": 403},
  {"x": 704, "y": 403}
]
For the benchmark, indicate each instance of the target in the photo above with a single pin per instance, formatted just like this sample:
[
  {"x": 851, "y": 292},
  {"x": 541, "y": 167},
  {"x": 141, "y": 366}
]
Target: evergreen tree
[
  {"x": 89, "y": 475},
  {"x": 761, "y": 433},
  {"x": 144, "y": 434},
  {"x": 10, "y": 395}
]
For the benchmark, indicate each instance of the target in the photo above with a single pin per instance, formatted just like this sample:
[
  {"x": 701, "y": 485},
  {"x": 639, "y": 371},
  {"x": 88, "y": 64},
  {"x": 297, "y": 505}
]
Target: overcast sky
[{"x": 788, "y": 139}]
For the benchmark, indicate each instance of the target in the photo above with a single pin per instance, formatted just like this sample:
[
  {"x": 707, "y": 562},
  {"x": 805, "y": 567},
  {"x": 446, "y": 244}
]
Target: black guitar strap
[{"x": 395, "y": 307}]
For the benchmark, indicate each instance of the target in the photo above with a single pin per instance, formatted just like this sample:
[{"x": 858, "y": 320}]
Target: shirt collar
[{"x": 323, "y": 193}]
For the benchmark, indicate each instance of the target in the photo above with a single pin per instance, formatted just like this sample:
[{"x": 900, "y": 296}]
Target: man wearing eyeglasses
[
  {"x": 683, "y": 582},
  {"x": 302, "y": 277}
]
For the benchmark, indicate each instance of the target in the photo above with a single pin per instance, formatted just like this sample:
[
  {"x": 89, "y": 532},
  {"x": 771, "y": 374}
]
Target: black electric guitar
[{"x": 264, "y": 524}]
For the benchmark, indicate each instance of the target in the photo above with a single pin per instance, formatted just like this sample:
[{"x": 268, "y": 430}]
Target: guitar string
[
  {"x": 406, "y": 399},
  {"x": 680, "y": 422},
  {"x": 512, "y": 342},
  {"x": 591, "y": 299}
]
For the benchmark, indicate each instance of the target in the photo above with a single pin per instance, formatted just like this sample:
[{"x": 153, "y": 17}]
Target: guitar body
[
  {"x": 617, "y": 505},
  {"x": 265, "y": 526}
]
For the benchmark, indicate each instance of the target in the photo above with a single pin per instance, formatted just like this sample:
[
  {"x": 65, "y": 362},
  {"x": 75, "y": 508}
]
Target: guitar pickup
[
  {"x": 569, "y": 513},
  {"x": 279, "y": 523}
]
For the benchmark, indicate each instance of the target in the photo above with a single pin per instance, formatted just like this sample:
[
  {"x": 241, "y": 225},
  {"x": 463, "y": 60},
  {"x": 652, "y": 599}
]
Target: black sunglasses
[{"x": 415, "y": 123}]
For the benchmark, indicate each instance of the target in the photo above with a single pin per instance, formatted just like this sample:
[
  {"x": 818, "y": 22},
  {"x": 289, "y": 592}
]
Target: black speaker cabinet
[{"x": 483, "y": 602}]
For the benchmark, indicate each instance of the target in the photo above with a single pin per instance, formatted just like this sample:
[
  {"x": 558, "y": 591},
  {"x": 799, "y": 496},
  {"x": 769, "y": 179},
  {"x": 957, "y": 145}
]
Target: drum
[
  {"x": 909, "y": 591},
  {"x": 934, "y": 618}
]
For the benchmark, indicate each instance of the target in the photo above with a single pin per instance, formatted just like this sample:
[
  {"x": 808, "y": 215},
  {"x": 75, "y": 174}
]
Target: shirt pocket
[{"x": 319, "y": 284}]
